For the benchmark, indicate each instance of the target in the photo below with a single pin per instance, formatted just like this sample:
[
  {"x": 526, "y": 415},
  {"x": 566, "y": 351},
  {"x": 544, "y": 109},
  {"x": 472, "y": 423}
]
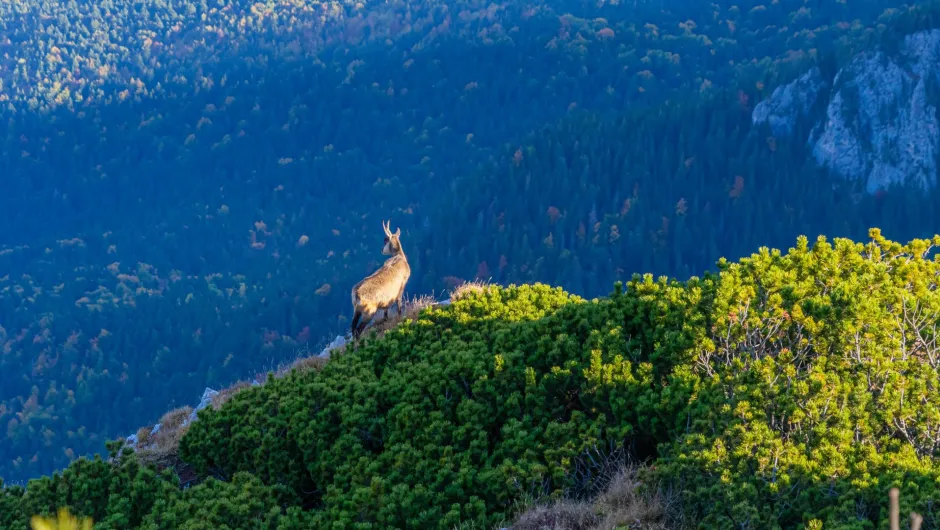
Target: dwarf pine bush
[{"x": 787, "y": 390}]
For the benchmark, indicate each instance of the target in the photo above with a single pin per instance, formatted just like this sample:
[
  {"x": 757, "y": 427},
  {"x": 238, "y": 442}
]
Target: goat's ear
[{"x": 397, "y": 232}]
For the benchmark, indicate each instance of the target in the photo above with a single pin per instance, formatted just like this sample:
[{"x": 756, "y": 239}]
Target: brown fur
[{"x": 384, "y": 287}]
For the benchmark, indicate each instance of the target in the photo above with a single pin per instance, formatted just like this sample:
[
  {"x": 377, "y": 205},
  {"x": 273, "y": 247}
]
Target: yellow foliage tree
[{"x": 64, "y": 521}]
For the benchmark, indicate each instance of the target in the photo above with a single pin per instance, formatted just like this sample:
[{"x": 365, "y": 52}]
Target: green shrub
[
  {"x": 245, "y": 503},
  {"x": 779, "y": 389},
  {"x": 454, "y": 417},
  {"x": 782, "y": 391},
  {"x": 115, "y": 495},
  {"x": 436, "y": 424},
  {"x": 122, "y": 495},
  {"x": 816, "y": 389}
]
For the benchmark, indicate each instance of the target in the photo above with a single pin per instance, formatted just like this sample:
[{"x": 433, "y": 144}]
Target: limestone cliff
[
  {"x": 787, "y": 102},
  {"x": 880, "y": 124}
]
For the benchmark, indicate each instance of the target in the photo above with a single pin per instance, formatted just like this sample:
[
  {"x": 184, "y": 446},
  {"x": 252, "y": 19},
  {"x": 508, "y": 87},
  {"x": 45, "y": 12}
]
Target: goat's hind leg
[
  {"x": 401, "y": 293},
  {"x": 367, "y": 314},
  {"x": 355, "y": 324}
]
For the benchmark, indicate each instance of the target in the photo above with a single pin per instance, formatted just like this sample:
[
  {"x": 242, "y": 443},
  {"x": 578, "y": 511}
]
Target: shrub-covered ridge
[
  {"x": 786, "y": 390},
  {"x": 190, "y": 152}
]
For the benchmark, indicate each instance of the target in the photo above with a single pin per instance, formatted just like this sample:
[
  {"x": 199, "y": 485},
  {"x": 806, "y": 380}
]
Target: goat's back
[{"x": 383, "y": 286}]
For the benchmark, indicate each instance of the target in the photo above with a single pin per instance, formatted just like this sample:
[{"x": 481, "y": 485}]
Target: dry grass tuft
[
  {"x": 621, "y": 504},
  {"x": 464, "y": 289},
  {"x": 164, "y": 444},
  {"x": 304, "y": 364},
  {"x": 143, "y": 436},
  {"x": 627, "y": 504},
  {"x": 412, "y": 308},
  {"x": 419, "y": 304},
  {"x": 228, "y": 393},
  {"x": 174, "y": 419},
  {"x": 563, "y": 515}
]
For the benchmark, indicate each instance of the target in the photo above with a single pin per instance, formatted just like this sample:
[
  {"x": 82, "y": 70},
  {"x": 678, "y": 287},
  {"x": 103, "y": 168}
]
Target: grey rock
[
  {"x": 880, "y": 127},
  {"x": 923, "y": 51},
  {"x": 787, "y": 102},
  {"x": 207, "y": 396},
  {"x": 339, "y": 341}
]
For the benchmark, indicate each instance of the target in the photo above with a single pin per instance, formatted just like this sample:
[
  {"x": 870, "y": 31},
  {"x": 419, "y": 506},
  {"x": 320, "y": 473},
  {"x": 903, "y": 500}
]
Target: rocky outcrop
[
  {"x": 880, "y": 126},
  {"x": 788, "y": 102}
]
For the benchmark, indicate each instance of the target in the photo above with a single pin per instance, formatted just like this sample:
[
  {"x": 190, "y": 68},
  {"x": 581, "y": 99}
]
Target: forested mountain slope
[
  {"x": 191, "y": 188},
  {"x": 785, "y": 390}
]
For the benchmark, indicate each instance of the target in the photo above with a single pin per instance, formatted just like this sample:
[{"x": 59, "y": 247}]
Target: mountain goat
[{"x": 383, "y": 287}]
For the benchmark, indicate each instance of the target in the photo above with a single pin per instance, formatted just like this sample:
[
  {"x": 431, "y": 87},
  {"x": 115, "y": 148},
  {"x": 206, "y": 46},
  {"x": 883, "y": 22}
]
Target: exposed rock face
[
  {"x": 338, "y": 342},
  {"x": 788, "y": 102},
  {"x": 880, "y": 126},
  {"x": 207, "y": 396}
]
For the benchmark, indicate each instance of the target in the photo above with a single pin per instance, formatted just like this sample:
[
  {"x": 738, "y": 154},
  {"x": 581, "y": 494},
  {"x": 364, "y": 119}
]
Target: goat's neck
[{"x": 397, "y": 255}]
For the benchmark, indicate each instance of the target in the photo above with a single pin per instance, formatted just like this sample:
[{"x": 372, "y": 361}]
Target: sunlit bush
[{"x": 63, "y": 521}]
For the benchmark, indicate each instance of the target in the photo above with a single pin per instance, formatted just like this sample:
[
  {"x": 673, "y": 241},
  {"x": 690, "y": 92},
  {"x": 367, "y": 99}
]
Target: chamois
[{"x": 383, "y": 287}]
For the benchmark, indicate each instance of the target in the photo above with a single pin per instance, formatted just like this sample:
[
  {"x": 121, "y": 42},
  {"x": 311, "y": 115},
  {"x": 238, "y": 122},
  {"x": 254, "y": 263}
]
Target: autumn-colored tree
[{"x": 737, "y": 188}]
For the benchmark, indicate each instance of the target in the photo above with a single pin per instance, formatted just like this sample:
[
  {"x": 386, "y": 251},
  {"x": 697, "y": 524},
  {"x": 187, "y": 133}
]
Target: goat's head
[{"x": 392, "y": 241}]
